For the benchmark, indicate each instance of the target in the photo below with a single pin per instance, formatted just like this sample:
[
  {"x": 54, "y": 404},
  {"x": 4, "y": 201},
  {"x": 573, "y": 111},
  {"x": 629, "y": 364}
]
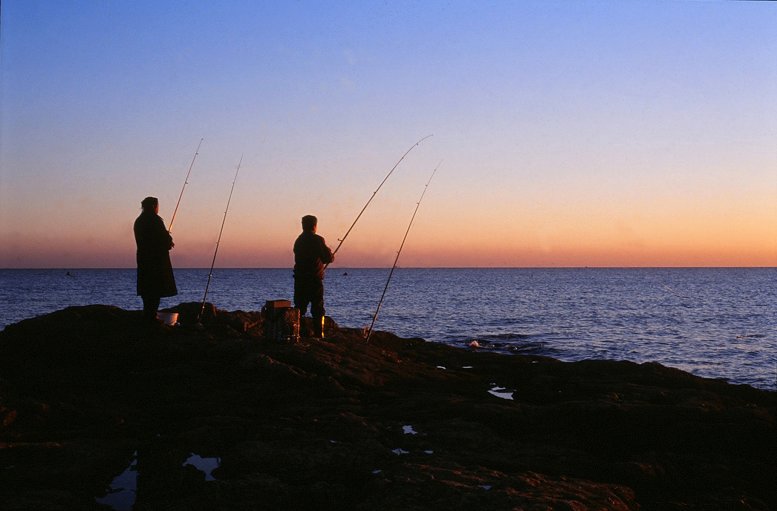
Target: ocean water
[{"x": 717, "y": 323}]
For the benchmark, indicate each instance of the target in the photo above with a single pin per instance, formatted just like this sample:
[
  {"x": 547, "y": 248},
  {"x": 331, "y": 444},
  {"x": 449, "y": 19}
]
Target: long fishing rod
[
  {"x": 375, "y": 193},
  {"x": 218, "y": 241},
  {"x": 185, "y": 182},
  {"x": 380, "y": 302}
]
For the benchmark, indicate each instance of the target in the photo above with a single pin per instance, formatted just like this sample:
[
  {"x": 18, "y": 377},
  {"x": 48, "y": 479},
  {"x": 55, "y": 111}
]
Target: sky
[{"x": 571, "y": 133}]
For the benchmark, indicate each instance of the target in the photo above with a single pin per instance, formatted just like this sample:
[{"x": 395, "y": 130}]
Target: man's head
[
  {"x": 309, "y": 223},
  {"x": 150, "y": 204}
]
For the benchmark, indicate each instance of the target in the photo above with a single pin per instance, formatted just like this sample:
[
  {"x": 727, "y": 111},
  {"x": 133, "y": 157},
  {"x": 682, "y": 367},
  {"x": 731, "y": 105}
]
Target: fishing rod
[
  {"x": 218, "y": 241},
  {"x": 380, "y": 302},
  {"x": 375, "y": 193},
  {"x": 185, "y": 182}
]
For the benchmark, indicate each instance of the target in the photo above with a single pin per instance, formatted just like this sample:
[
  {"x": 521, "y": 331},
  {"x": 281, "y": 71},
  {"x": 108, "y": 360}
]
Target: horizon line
[{"x": 658, "y": 267}]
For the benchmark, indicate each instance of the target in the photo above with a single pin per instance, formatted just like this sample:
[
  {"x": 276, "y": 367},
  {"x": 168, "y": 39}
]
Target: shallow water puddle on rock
[
  {"x": 408, "y": 430},
  {"x": 205, "y": 465},
  {"x": 501, "y": 392},
  {"x": 399, "y": 451},
  {"x": 121, "y": 494}
]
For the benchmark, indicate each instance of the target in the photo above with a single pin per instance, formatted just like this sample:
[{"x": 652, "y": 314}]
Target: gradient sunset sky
[{"x": 572, "y": 133}]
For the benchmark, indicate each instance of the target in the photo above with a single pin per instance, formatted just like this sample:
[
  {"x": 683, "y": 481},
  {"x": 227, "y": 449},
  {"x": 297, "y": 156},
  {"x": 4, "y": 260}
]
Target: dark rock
[{"x": 88, "y": 393}]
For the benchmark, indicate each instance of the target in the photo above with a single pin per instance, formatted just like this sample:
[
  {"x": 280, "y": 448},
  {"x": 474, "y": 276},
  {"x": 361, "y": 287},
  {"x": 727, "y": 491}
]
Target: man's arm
[{"x": 326, "y": 253}]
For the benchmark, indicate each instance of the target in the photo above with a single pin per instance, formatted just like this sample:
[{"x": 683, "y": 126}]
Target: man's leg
[
  {"x": 301, "y": 296},
  {"x": 150, "y": 306},
  {"x": 317, "y": 307}
]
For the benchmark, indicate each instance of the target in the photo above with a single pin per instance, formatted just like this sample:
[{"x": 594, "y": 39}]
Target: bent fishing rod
[
  {"x": 185, "y": 182},
  {"x": 218, "y": 241},
  {"x": 375, "y": 193},
  {"x": 396, "y": 259}
]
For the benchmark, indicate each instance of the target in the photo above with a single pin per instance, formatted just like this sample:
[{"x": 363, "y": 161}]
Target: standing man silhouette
[
  {"x": 310, "y": 257},
  {"x": 155, "y": 271}
]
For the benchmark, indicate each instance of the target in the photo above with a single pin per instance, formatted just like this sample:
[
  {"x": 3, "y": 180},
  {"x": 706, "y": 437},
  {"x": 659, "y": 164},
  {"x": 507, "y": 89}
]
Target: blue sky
[{"x": 572, "y": 132}]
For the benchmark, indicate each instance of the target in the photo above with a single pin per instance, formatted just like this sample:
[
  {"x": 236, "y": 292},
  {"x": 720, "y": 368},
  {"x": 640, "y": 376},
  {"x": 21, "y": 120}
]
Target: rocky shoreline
[{"x": 217, "y": 417}]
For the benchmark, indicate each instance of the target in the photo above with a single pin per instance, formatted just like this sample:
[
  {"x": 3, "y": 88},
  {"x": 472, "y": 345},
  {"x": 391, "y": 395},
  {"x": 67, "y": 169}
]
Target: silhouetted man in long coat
[
  {"x": 310, "y": 256},
  {"x": 155, "y": 272}
]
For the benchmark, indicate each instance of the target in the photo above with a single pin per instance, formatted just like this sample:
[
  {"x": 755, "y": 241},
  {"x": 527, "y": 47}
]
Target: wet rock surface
[{"x": 91, "y": 393}]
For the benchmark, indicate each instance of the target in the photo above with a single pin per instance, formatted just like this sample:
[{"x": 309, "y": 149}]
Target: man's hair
[
  {"x": 149, "y": 203},
  {"x": 309, "y": 222}
]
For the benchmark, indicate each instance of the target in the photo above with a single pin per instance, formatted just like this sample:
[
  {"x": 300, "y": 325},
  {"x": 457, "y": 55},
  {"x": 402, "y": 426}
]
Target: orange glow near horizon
[
  {"x": 499, "y": 232},
  {"x": 564, "y": 246}
]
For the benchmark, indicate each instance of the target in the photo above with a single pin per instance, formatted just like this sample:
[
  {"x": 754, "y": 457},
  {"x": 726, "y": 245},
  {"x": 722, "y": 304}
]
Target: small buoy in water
[{"x": 474, "y": 344}]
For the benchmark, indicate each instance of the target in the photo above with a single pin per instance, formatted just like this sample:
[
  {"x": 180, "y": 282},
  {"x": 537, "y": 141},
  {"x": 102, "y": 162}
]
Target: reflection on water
[
  {"x": 120, "y": 496},
  {"x": 204, "y": 465},
  {"x": 501, "y": 392},
  {"x": 123, "y": 490}
]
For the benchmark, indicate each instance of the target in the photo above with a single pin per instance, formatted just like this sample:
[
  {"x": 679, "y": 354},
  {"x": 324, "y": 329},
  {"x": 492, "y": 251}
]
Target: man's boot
[{"x": 318, "y": 327}]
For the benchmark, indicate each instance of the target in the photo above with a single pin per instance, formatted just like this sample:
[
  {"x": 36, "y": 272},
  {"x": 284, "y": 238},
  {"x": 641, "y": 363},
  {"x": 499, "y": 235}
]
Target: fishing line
[
  {"x": 185, "y": 182},
  {"x": 218, "y": 241},
  {"x": 396, "y": 259},
  {"x": 375, "y": 193}
]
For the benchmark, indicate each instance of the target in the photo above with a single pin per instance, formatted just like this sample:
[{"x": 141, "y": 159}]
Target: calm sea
[{"x": 719, "y": 323}]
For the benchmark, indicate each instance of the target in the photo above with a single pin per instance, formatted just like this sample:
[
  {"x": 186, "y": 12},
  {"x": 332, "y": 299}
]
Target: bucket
[
  {"x": 168, "y": 318},
  {"x": 281, "y": 323}
]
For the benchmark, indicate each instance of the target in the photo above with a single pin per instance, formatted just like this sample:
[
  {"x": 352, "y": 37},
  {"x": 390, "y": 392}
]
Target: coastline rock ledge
[{"x": 98, "y": 411}]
